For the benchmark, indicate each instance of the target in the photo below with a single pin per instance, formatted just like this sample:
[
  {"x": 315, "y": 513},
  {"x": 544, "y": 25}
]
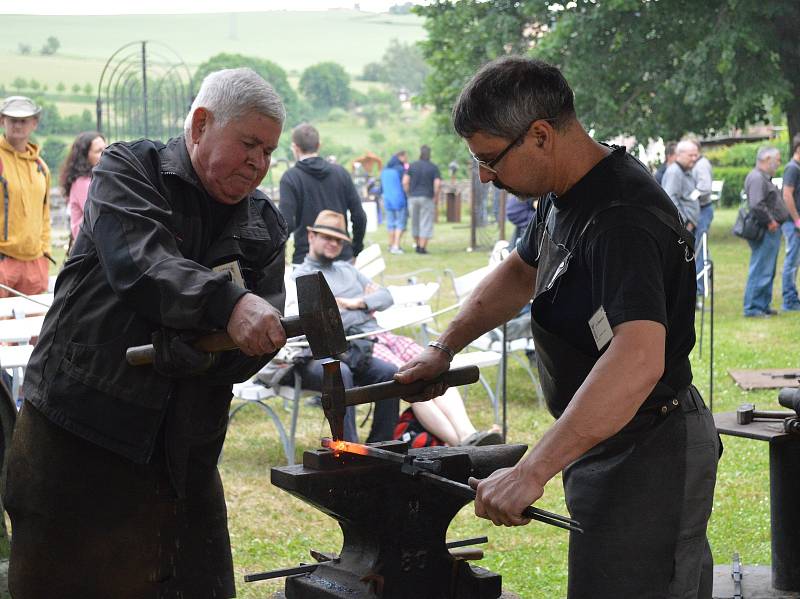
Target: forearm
[
  {"x": 605, "y": 402},
  {"x": 788, "y": 198},
  {"x": 495, "y": 301}
]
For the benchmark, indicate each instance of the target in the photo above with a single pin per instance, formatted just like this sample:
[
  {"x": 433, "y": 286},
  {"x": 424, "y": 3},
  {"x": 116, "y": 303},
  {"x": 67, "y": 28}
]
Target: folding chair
[{"x": 518, "y": 349}]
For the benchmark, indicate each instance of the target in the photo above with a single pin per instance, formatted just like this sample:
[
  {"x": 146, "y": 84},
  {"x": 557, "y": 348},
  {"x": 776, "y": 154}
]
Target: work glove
[{"x": 176, "y": 358}]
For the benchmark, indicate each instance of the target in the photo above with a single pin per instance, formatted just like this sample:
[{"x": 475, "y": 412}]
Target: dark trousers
[
  {"x": 644, "y": 498},
  {"x": 371, "y": 371},
  {"x": 90, "y": 524}
]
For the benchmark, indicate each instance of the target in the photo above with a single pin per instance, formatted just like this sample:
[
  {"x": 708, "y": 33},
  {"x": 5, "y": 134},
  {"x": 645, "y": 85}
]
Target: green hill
[{"x": 294, "y": 40}]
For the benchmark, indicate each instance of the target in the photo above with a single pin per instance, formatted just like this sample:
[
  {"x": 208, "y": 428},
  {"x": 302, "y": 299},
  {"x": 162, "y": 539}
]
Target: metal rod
[
  {"x": 531, "y": 512},
  {"x": 467, "y": 542},
  {"x": 144, "y": 86},
  {"x": 281, "y": 572},
  {"x": 22, "y": 295}
]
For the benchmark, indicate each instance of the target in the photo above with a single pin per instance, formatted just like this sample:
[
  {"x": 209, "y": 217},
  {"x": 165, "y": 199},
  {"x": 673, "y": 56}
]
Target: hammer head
[
  {"x": 333, "y": 397},
  {"x": 319, "y": 316},
  {"x": 745, "y": 413}
]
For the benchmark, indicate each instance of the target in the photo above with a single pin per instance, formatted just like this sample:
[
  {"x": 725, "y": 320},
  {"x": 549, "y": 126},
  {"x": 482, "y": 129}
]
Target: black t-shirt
[
  {"x": 422, "y": 174},
  {"x": 627, "y": 261}
]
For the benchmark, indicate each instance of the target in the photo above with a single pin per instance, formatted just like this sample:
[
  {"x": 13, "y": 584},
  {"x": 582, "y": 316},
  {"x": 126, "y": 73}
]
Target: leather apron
[{"x": 630, "y": 519}]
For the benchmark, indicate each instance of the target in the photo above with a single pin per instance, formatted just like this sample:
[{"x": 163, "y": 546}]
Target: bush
[
  {"x": 338, "y": 114},
  {"x": 734, "y": 183},
  {"x": 54, "y": 151},
  {"x": 735, "y": 155}
]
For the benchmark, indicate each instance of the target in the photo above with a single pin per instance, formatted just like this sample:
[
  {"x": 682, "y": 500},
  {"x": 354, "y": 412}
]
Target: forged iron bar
[{"x": 460, "y": 489}]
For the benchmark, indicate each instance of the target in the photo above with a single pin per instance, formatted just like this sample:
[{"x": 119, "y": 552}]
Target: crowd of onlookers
[
  {"x": 686, "y": 176},
  {"x": 409, "y": 191}
]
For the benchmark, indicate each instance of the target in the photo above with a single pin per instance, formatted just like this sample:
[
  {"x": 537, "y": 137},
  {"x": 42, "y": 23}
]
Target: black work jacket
[{"x": 142, "y": 261}]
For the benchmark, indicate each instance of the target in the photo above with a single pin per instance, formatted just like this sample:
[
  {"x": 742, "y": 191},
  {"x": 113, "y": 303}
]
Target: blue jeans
[
  {"x": 761, "y": 275},
  {"x": 790, "y": 264},
  {"x": 386, "y": 411},
  {"x": 703, "y": 225}
]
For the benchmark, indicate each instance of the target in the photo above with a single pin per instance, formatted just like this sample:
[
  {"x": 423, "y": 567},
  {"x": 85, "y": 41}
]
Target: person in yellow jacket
[{"x": 25, "y": 209}]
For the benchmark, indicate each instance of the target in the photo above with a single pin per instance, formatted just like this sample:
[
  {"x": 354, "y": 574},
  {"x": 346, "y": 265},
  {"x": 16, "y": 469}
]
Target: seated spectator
[
  {"x": 76, "y": 174},
  {"x": 375, "y": 359}
]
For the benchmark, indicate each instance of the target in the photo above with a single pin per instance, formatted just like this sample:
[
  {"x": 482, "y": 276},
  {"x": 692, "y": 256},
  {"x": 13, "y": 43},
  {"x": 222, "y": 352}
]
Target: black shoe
[
  {"x": 770, "y": 312},
  {"x": 421, "y": 250}
]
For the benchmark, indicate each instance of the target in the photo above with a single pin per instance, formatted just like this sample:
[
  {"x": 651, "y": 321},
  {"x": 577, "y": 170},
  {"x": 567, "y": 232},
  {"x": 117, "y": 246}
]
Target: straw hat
[{"x": 330, "y": 223}]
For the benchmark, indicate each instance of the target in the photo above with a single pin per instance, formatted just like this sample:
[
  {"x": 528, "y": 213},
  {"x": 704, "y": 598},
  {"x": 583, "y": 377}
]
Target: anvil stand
[
  {"x": 784, "y": 484},
  {"x": 394, "y": 525}
]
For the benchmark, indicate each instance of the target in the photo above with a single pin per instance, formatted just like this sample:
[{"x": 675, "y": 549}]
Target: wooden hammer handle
[
  {"x": 453, "y": 378},
  {"x": 214, "y": 342}
]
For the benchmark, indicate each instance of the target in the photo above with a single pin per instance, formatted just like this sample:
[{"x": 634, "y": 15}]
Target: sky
[{"x": 115, "y": 7}]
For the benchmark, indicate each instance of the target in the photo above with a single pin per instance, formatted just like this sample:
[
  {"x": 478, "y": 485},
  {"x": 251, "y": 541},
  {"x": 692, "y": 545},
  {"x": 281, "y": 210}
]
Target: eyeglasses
[{"x": 491, "y": 164}]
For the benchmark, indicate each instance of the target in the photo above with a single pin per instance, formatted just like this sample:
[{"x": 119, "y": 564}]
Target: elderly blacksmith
[
  {"x": 113, "y": 489},
  {"x": 609, "y": 267}
]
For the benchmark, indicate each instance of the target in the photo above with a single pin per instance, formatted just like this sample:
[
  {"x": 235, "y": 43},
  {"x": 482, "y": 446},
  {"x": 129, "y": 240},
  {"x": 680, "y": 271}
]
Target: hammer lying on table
[
  {"x": 336, "y": 399},
  {"x": 319, "y": 320}
]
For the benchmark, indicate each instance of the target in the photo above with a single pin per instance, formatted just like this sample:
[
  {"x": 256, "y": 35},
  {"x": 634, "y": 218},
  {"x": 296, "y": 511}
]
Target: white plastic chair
[{"x": 367, "y": 255}]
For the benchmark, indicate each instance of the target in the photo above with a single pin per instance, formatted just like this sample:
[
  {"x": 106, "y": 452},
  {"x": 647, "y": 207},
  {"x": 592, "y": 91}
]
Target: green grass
[
  {"x": 271, "y": 529},
  {"x": 294, "y": 40}
]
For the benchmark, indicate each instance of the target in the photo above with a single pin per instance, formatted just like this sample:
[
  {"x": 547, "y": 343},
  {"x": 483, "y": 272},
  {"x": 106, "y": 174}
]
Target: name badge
[
  {"x": 234, "y": 272},
  {"x": 601, "y": 328}
]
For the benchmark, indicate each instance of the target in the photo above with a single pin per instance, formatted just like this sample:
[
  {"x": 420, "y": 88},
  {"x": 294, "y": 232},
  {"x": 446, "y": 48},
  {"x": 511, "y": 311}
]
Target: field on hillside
[
  {"x": 294, "y": 40},
  {"x": 271, "y": 529}
]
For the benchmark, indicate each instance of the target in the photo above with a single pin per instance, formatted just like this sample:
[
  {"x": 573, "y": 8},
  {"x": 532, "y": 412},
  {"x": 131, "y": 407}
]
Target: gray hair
[
  {"x": 685, "y": 145},
  {"x": 765, "y": 152},
  {"x": 232, "y": 93},
  {"x": 508, "y": 93}
]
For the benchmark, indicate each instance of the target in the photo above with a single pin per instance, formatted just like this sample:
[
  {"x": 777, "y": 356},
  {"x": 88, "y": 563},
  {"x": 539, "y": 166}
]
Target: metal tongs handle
[
  {"x": 534, "y": 513},
  {"x": 447, "y": 484}
]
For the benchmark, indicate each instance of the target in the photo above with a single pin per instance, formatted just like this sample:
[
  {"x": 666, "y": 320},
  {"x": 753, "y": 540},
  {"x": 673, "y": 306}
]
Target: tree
[
  {"x": 655, "y": 69},
  {"x": 373, "y": 71},
  {"x": 460, "y": 39},
  {"x": 19, "y": 83},
  {"x": 404, "y": 66},
  {"x": 24, "y": 49},
  {"x": 50, "y": 47},
  {"x": 60, "y": 87},
  {"x": 76, "y": 88},
  {"x": 88, "y": 89},
  {"x": 271, "y": 72},
  {"x": 34, "y": 85},
  {"x": 640, "y": 67},
  {"x": 325, "y": 85}
]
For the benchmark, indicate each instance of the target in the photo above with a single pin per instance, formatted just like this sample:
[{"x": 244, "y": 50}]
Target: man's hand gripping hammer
[{"x": 336, "y": 399}]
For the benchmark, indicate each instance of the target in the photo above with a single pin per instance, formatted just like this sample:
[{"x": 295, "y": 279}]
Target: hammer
[
  {"x": 319, "y": 320},
  {"x": 747, "y": 413},
  {"x": 335, "y": 399}
]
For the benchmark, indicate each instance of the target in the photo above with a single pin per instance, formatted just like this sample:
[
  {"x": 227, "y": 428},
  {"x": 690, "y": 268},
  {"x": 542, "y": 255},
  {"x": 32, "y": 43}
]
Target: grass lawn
[{"x": 271, "y": 529}]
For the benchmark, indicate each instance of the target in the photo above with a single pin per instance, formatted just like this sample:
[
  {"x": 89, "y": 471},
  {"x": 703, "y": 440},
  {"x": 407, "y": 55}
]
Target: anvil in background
[{"x": 394, "y": 525}]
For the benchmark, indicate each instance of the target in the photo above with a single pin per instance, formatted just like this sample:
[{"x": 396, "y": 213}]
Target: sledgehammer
[{"x": 319, "y": 320}]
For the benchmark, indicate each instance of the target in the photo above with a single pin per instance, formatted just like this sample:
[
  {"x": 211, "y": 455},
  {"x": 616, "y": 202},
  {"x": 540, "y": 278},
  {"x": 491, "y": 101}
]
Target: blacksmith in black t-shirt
[{"x": 610, "y": 269}]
